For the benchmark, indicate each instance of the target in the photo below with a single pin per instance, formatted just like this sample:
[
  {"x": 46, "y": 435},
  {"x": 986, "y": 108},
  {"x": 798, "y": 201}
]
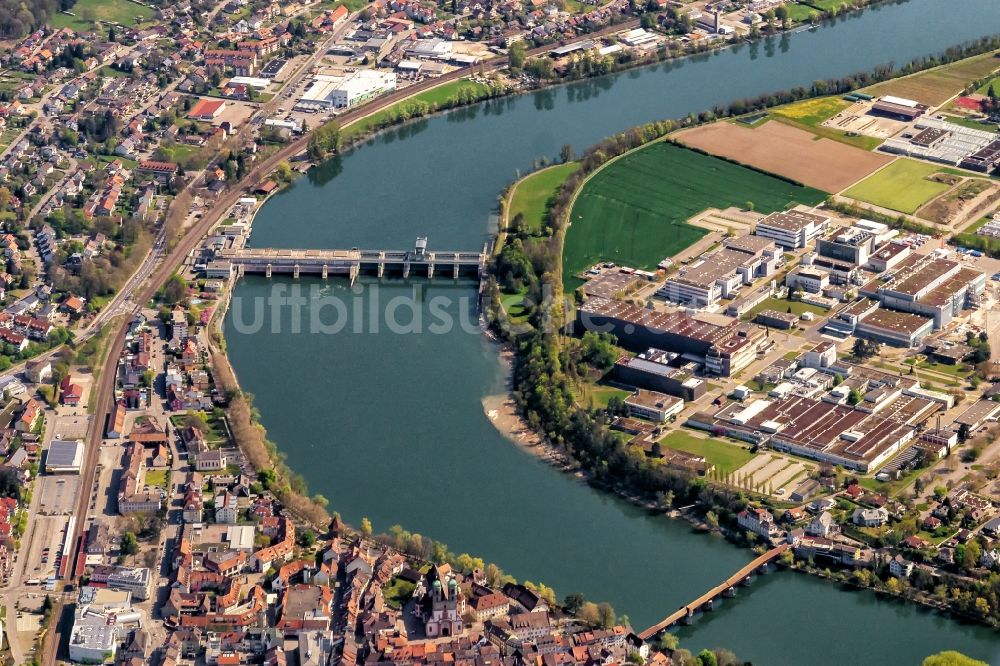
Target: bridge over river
[
  {"x": 725, "y": 589},
  {"x": 419, "y": 262}
]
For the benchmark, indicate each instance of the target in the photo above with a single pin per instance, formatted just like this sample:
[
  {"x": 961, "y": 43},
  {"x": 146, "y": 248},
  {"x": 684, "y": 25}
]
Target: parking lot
[
  {"x": 45, "y": 546},
  {"x": 57, "y": 494}
]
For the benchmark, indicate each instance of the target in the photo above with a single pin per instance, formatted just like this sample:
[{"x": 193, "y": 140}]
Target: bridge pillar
[
  {"x": 454, "y": 273},
  {"x": 745, "y": 582},
  {"x": 295, "y": 271},
  {"x": 381, "y": 268},
  {"x": 430, "y": 271},
  {"x": 267, "y": 271},
  {"x": 326, "y": 271},
  {"x": 406, "y": 269},
  {"x": 729, "y": 592},
  {"x": 688, "y": 617},
  {"x": 355, "y": 269}
]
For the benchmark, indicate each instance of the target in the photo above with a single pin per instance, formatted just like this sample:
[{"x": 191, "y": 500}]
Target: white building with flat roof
[{"x": 362, "y": 86}]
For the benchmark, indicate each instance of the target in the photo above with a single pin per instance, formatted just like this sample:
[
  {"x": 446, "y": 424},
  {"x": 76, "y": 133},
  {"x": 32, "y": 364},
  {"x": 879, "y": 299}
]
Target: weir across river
[{"x": 419, "y": 262}]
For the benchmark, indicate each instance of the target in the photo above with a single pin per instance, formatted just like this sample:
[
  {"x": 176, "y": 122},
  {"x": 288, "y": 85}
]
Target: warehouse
[
  {"x": 362, "y": 86},
  {"x": 64, "y": 457},
  {"x": 979, "y": 413},
  {"x": 899, "y": 108},
  {"x": 898, "y": 329}
]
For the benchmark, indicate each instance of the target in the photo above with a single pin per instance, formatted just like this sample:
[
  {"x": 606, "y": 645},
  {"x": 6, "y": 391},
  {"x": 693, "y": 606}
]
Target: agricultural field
[
  {"x": 813, "y": 112},
  {"x": 436, "y": 97},
  {"x": 532, "y": 194},
  {"x": 904, "y": 185},
  {"x": 86, "y": 12},
  {"x": 793, "y": 152},
  {"x": 935, "y": 86},
  {"x": 725, "y": 456},
  {"x": 633, "y": 211}
]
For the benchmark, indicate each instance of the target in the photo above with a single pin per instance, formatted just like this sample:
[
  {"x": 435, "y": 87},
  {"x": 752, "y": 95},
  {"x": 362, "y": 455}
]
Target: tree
[
  {"x": 573, "y": 603},
  {"x": 306, "y": 538},
  {"x": 893, "y": 585},
  {"x": 566, "y": 153},
  {"x": 283, "y": 171},
  {"x": 175, "y": 290},
  {"x": 589, "y": 614},
  {"x": 606, "y": 615},
  {"x": 707, "y": 658},
  {"x": 712, "y": 520},
  {"x": 516, "y": 54},
  {"x": 952, "y": 658},
  {"x": 366, "y": 526},
  {"x": 668, "y": 641},
  {"x": 130, "y": 545},
  {"x": 854, "y": 397}
]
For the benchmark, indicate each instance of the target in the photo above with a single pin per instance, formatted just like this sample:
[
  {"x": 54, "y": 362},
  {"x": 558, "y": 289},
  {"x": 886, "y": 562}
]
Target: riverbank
[{"x": 407, "y": 412}]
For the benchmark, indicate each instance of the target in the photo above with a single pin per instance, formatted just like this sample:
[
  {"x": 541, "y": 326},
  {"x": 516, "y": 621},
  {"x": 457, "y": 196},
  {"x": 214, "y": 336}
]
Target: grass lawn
[
  {"x": 782, "y": 305},
  {"x": 215, "y": 432},
  {"x": 725, "y": 456},
  {"x": 436, "y": 97},
  {"x": 513, "y": 305},
  {"x": 903, "y": 185},
  {"x": 813, "y": 112},
  {"x": 971, "y": 123},
  {"x": 801, "y": 13},
  {"x": 532, "y": 194},
  {"x": 596, "y": 395},
  {"x": 974, "y": 227},
  {"x": 115, "y": 11},
  {"x": 634, "y": 211},
  {"x": 157, "y": 477}
]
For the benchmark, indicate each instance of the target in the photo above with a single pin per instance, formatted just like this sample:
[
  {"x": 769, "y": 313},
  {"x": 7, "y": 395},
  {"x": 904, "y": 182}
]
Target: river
[{"x": 390, "y": 425}]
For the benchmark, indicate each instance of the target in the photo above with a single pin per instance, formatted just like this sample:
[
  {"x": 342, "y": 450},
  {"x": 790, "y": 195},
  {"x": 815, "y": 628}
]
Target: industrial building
[
  {"x": 816, "y": 429},
  {"x": 899, "y": 329},
  {"x": 64, "y": 457},
  {"x": 342, "y": 92},
  {"x": 945, "y": 142},
  {"x": 929, "y": 286},
  {"x": 653, "y": 406},
  {"x": 725, "y": 345},
  {"x": 792, "y": 229},
  {"x": 898, "y": 108},
  {"x": 888, "y": 256},
  {"x": 722, "y": 273},
  {"x": 652, "y": 370}
]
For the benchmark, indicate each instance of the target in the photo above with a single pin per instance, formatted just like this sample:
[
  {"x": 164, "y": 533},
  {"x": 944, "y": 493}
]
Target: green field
[
  {"x": 725, "y": 456},
  {"x": 436, "y": 97},
  {"x": 532, "y": 194},
  {"x": 634, "y": 210},
  {"x": 86, "y": 12},
  {"x": 513, "y": 305},
  {"x": 902, "y": 186}
]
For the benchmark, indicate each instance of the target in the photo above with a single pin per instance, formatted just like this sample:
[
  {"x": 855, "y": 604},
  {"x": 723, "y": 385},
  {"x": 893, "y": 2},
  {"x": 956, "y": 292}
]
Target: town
[{"x": 831, "y": 366}]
